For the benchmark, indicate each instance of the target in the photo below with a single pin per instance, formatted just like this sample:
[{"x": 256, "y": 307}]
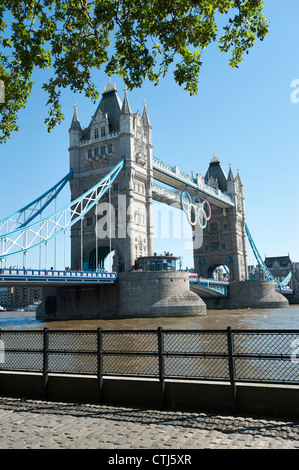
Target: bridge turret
[
  {"x": 114, "y": 132},
  {"x": 224, "y": 239},
  {"x": 126, "y": 125},
  {"x": 147, "y": 129},
  {"x": 75, "y": 133}
]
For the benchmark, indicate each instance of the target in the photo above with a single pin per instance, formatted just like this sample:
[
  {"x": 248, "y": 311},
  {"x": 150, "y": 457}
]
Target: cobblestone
[{"x": 34, "y": 424}]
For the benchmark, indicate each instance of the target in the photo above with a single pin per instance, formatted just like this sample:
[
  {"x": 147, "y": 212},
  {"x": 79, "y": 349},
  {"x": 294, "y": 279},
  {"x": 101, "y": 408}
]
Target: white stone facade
[{"x": 114, "y": 132}]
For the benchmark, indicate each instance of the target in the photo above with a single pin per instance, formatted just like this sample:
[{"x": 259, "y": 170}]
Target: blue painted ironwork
[
  {"x": 264, "y": 268},
  {"x": 54, "y": 276},
  {"x": 21, "y": 218},
  {"x": 212, "y": 285},
  {"x": 32, "y": 235}
]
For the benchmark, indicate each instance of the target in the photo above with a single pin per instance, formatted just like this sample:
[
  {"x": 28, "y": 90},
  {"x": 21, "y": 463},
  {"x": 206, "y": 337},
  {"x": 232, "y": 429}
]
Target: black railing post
[
  {"x": 232, "y": 372},
  {"x": 46, "y": 360},
  {"x": 100, "y": 363},
  {"x": 161, "y": 366}
]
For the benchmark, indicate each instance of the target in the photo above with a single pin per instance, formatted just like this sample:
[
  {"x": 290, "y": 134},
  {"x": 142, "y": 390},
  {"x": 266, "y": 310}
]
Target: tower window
[
  {"x": 103, "y": 131},
  {"x": 214, "y": 246},
  {"x": 103, "y": 150},
  {"x": 89, "y": 222},
  {"x": 110, "y": 148},
  {"x": 214, "y": 227},
  {"x": 96, "y": 133}
]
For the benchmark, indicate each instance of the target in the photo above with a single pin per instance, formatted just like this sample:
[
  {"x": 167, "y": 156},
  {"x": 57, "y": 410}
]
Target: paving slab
[{"x": 33, "y": 424}]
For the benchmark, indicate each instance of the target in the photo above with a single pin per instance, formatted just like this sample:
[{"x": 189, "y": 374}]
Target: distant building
[
  {"x": 279, "y": 266},
  {"x": 15, "y": 297},
  {"x": 5, "y": 297}
]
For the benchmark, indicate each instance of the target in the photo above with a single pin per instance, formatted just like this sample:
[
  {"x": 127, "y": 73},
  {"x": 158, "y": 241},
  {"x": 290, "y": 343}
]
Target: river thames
[{"x": 245, "y": 319}]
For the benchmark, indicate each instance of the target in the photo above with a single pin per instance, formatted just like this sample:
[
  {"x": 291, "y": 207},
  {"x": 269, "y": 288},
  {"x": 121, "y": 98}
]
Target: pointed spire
[
  {"x": 75, "y": 122},
  {"x": 238, "y": 176},
  {"x": 145, "y": 118},
  {"x": 230, "y": 176},
  {"x": 126, "y": 108}
]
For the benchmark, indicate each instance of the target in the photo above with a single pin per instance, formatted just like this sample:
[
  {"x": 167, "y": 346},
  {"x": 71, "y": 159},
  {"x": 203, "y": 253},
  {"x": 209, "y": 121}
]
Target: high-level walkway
[{"x": 34, "y": 424}]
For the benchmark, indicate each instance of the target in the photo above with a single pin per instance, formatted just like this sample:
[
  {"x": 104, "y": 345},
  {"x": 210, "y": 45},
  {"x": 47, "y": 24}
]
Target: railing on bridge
[
  {"x": 54, "y": 275},
  {"x": 284, "y": 289},
  {"x": 212, "y": 285}
]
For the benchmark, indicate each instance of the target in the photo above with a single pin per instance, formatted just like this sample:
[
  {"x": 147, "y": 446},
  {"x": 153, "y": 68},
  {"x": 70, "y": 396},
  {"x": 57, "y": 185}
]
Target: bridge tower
[
  {"x": 224, "y": 239},
  {"x": 122, "y": 222}
]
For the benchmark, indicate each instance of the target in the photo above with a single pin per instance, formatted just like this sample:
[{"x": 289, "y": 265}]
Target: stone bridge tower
[
  {"x": 224, "y": 239},
  {"x": 122, "y": 221}
]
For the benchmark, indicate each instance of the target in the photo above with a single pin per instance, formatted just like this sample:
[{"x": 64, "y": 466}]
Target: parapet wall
[{"x": 255, "y": 399}]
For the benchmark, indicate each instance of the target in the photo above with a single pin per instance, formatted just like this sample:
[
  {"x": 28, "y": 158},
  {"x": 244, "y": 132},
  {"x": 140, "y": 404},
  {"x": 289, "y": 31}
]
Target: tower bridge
[{"x": 114, "y": 179}]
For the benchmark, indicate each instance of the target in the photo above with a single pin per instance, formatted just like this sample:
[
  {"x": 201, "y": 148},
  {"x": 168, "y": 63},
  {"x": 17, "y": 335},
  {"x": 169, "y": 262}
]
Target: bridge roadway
[
  {"x": 43, "y": 277},
  {"x": 37, "y": 277},
  {"x": 17, "y": 276}
]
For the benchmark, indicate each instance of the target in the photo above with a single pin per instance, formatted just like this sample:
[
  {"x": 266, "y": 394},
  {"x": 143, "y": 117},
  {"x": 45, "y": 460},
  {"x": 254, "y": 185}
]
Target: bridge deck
[
  {"x": 56, "y": 277},
  {"x": 210, "y": 287}
]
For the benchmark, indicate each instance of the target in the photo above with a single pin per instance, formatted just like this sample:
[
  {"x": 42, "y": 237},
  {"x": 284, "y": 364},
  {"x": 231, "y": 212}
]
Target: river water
[{"x": 243, "y": 319}]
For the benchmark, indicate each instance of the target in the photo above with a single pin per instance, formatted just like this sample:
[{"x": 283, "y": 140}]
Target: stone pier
[
  {"x": 157, "y": 294},
  {"x": 249, "y": 294},
  {"x": 136, "y": 294}
]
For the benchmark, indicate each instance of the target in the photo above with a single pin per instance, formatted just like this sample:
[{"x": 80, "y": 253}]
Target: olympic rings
[{"x": 192, "y": 206}]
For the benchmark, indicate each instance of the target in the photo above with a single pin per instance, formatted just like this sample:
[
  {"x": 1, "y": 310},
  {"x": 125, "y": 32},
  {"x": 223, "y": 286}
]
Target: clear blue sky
[{"x": 245, "y": 116}]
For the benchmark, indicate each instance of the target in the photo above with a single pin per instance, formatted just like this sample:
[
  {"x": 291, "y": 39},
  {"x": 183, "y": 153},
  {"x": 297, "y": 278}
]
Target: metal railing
[
  {"x": 48, "y": 275},
  {"x": 233, "y": 356}
]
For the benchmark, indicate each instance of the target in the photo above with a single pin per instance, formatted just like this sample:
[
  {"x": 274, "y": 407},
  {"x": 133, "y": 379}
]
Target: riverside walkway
[{"x": 32, "y": 424}]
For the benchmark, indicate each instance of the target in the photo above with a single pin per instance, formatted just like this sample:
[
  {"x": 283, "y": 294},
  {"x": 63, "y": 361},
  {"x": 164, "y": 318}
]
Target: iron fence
[{"x": 233, "y": 356}]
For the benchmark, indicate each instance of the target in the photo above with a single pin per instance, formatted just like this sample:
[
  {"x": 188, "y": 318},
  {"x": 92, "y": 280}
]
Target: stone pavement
[{"x": 33, "y": 424}]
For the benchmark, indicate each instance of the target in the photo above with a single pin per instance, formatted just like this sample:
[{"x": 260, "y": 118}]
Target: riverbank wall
[{"x": 254, "y": 399}]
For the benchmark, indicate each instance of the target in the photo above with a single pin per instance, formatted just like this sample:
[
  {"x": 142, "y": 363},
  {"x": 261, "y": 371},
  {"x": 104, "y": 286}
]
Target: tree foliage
[{"x": 133, "y": 39}]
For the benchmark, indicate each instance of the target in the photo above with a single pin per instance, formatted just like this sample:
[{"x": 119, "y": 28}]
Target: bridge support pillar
[
  {"x": 137, "y": 294},
  {"x": 78, "y": 302},
  {"x": 257, "y": 294},
  {"x": 157, "y": 294}
]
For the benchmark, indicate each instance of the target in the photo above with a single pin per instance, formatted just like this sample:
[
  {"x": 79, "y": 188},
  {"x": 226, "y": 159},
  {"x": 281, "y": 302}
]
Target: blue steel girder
[
  {"x": 28, "y": 213},
  {"x": 262, "y": 265},
  {"x": 210, "y": 286},
  {"x": 40, "y": 277},
  {"x": 38, "y": 233}
]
